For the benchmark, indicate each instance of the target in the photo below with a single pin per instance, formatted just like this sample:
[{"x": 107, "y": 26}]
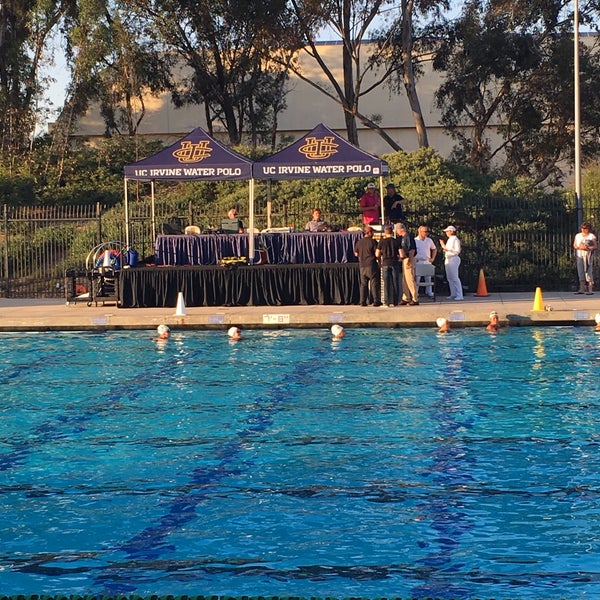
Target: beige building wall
[{"x": 307, "y": 107}]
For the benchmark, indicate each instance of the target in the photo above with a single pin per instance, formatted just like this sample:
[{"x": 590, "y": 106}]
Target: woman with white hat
[{"x": 452, "y": 250}]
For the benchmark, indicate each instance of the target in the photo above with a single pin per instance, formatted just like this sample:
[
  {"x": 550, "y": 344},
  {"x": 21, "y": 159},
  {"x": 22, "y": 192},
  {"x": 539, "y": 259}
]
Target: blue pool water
[{"x": 393, "y": 463}]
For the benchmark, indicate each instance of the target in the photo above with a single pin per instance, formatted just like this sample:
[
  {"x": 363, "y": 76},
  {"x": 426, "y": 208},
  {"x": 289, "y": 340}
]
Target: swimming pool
[{"x": 393, "y": 463}]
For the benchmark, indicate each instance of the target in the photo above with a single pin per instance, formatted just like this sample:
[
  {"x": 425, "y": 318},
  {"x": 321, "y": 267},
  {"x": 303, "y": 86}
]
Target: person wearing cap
[
  {"x": 368, "y": 254},
  {"x": 408, "y": 251},
  {"x": 369, "y": 205},
  {"x": 393, "y": 204},
  {"x": 234, "y": 333},
  {"x": 494, "y": 323},
  {"x": 338, "y": 332},
  {"x": 452, "y": 250},
  {"x": 163, "y": 332},
  {"x": 585, "y": 243},
  {"x": 443, "y": 325}
]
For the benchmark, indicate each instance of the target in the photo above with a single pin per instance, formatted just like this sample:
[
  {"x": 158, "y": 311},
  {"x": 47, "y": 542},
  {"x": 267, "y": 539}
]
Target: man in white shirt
[{"x": 426, "y": 253}]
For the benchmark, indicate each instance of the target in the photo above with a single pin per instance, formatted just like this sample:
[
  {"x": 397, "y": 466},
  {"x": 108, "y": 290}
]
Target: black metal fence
[{"x": 519, "y": 244}]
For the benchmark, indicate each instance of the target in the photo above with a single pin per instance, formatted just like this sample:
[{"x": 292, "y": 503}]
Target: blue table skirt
[{"x": 281, "y": 248}]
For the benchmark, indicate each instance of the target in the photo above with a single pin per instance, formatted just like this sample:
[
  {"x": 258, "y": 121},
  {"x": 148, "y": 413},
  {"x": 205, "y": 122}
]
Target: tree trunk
[
  {"x": 408, "y": 73},
  {"x": 350, "y": 100}
]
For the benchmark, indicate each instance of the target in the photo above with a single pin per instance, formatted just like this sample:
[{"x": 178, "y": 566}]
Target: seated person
[
  {"x": 317, "y": 223},
  {"x": 232, "y": 224}
]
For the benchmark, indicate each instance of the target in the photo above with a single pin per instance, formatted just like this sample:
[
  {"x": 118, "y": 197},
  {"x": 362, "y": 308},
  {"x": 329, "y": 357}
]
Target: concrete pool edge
[{"x": 514, "y": 309}]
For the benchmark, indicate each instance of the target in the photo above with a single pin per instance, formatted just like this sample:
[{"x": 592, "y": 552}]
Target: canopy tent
[
  {"x": 322, "y": 153},
  {"x": 197, "y": 157}
]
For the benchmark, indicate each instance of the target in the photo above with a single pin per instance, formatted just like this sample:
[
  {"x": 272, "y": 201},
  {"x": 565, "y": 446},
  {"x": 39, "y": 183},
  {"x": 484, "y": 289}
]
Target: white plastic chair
[{"x": 425, "y": 276}]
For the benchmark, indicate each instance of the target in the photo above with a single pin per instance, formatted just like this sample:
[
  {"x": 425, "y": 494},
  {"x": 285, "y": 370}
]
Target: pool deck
[{"x": 514, "y": 309}]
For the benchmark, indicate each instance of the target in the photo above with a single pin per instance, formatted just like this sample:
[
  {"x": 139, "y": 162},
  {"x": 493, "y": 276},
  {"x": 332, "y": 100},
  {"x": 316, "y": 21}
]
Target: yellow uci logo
[
  {"x": 319, "y": 149},
  {"x": 191, "y": 153}
]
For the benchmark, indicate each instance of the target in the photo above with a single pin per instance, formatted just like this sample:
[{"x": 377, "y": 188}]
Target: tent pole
[
  {"x": 126, "y": 202},
  {"x": 251, "y": 221},
  {"x": 269, "y": 203},
  {"x": 152, "y": 212},
  {"x": 382, "y": 207}
]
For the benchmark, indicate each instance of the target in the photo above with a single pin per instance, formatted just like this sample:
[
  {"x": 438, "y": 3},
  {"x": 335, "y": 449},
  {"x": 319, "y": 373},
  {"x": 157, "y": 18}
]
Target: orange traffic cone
[
  {"x": 481, "y": 287},
  {"x": 538, "y": 303}
]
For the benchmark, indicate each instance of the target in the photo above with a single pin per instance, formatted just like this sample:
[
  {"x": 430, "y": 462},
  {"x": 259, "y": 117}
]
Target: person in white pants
[{"x": 452, "y": 250}]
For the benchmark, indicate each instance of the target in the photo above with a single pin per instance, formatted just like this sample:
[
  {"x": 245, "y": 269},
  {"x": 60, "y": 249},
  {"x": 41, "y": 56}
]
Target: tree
[
  {"x": 509, "y": 71},
  {"x": 351, "y": 20},
  {"x": 225, "y": 48},
  {"x": 25, "y": 27},
  {"x": 114, "y": 62},
  {"x": 403, "y": 46}
]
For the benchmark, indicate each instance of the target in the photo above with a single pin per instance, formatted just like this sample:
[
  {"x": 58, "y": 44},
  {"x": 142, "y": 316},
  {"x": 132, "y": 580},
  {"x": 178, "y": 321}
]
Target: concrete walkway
[{"x": 514, "y": 309}]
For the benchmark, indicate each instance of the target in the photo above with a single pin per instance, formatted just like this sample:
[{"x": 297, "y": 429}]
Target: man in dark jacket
[
  {"x": 368, "y": 261},
  {"x": 393, "y": 204},
  {"x": 389, "y": 248}
]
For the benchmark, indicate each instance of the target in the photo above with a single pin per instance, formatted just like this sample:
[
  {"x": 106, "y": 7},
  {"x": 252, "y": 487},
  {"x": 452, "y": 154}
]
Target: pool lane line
[
  {"x": 45, "y": 431},
  {"x": 52, "y": 430},
  {"x": 148, "y": 544},
  {"x": 445, "y": 513}
]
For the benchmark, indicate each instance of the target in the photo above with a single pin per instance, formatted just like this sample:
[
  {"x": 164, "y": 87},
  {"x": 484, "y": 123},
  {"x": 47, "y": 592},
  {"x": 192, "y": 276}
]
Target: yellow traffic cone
[
  {"x": 538, "y": 303},
  {"x": 481, "y": 286}
]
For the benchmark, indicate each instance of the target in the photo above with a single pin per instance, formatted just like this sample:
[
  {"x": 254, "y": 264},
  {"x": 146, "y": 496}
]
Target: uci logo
[
  {"x": 191, "y": 153},
  {"x": 319, "y": 149}
]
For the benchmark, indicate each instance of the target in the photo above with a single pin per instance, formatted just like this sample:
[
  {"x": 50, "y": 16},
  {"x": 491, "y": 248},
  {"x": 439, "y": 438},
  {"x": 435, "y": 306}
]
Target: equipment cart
[{"x": 102, "y": 266}]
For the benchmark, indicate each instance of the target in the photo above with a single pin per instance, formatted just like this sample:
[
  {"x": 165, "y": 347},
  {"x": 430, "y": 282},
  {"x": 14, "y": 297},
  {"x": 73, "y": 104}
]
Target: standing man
[
  {"x": 369, "y": 205},
  {"x": 426, "y": 253},
  {"x": 408, "y": 251},
  {"x": 585, "y": 243},
  {"x": 393, "y": 204},
  {"x": 368, "y": 261},
  {"x": 389, "y": 249}
]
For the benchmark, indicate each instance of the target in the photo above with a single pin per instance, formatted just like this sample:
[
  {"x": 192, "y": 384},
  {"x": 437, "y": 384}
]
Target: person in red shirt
[{"x": 369, "y": 205}]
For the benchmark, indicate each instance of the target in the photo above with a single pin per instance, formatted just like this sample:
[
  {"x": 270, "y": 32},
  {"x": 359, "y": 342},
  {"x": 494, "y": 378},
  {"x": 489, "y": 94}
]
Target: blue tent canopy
[
  {"x": 318, "y": 154},
  {"x": 197, "y": 156},
  {"x": 321, "y": 153}
]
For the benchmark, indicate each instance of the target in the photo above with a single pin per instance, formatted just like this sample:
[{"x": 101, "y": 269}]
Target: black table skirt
[{"x": 259, "y": 285}]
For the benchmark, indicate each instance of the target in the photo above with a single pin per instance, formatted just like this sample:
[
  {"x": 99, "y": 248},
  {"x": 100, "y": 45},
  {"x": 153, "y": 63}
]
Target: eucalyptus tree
[
  {"x": 26, "y": 27},
  {"x": 508, "y": 94},
  {"x": 114, "y": 63},
  {"x": 224, "y": 49},
  {"x": 406, "y": 42},
  {"x": 353, "y": 22}
]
